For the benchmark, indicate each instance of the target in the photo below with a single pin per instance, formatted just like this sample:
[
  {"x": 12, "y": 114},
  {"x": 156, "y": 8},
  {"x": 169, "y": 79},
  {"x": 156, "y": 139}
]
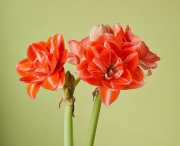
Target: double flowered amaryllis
[
  {"x": 44, "y": 65},
  {"x": 110, "y": 59}
]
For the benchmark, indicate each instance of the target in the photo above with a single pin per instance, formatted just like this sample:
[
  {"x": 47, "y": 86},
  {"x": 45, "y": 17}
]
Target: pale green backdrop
[{"x": 149, "y": 116}]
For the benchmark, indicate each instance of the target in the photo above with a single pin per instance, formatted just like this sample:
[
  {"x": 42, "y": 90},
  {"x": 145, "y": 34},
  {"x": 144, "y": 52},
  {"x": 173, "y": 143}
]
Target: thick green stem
[
  {"x": 93, "y": 122},
  {"x": 68, "y": 125}
]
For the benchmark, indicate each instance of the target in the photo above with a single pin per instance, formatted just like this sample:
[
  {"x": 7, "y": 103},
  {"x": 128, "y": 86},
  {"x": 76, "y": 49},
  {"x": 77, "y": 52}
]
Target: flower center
[{"x": 114, "y": 72}]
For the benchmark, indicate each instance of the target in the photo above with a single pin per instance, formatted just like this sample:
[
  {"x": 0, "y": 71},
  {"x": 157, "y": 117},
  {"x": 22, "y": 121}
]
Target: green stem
[
  {"x": 77, "y": 81},
  {"x": 93, "y": 121},
  {"x": 68, "y": 125}
]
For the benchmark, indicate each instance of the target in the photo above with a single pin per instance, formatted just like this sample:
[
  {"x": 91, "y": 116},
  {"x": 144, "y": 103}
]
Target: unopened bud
[
  {"x": 69, "y": 81},
  {"x": 99, "y": 30},
  {"x": 67, "y": 93}
]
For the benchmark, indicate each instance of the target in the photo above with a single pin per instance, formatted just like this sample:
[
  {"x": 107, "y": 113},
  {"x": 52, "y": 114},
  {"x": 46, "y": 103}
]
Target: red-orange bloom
[
  {"x": 110, "y": 67},
  {"x": 147, "y": 59},
  {"x": 44, "y": 65},
  {"x": 112, "y": 59}
]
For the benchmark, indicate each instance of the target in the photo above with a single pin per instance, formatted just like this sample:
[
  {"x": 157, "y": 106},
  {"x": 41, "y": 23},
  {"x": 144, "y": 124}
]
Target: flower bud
[
  {"x": 69, "y": 85},
  {"x": 67, "y": 93},
  {"x": 98, "y": 30}
]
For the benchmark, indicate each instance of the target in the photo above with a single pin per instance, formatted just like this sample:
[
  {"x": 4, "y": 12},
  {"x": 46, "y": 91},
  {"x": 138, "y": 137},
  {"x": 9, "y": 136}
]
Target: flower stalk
[
  {"x": 68, "y": 124},
  {"x": 93, "y": 121},
  {"x": 69, "y": 87}
]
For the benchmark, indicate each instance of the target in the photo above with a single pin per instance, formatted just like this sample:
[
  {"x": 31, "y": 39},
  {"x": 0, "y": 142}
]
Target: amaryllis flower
[
  {"x": 110, "y": 67},
  {"x": 44, "y": 65},
  {"x": 112, "y": 59},
  {"x": 147, "y": 59}
]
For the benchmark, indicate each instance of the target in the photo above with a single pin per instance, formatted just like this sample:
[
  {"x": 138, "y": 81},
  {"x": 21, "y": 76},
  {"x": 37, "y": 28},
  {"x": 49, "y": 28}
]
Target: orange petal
[
  {"x": 95, "y": 71},
  {"x": 82, "y": 46},
  {"x": 63, "y": 57},
  {"x": 23, "y": 67},
  {"x": 114, "y": 46},
  {"x": 61, "y": 80},
  {"x": 110, "y": 85},
  {"x": 107, "y": 58},
  {"x": 36, "y": 51},
  {"x": 83, "y": 65},
  {"x": 78, "y": 47},
  {"x": 131, "y": 46},
  {"x": 124, "y": 79},
  {"x": 83, "y": 73},
  {"x": 32, "y": 89},
  {"x": 51, "y": 82},
  {"x": 36, "y": 77},
  {"x": 53, "y": 62},
  {"x": 129, "y": 58},
  {"x": 146, "y": 54},
  {"x": 94, "y": 49},
  {"x": 131, "y": 37},
  {"x": 56, "y": 45},
  {"x": 138, "y": 79},
  {"x": 119, "y": 32},
  {"x": 110, "y": 38},
  {"x": 107, "y": 95}
]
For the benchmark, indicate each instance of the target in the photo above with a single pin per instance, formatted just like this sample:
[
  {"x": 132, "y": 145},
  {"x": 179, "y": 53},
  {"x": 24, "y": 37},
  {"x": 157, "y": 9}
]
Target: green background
[{"x": 149, "y": 116}]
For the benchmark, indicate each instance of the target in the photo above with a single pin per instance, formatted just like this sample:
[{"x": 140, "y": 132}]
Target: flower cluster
[{"x": 110, "y": 58}]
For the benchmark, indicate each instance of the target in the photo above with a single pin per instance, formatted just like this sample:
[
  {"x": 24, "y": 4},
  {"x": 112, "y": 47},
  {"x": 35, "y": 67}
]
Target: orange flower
[
  {"x": 110, "y": 67},
  {"x": 112, "y": 59},
  {"x": 44, "y": 65},
  {"x": 147, "y": 59}
]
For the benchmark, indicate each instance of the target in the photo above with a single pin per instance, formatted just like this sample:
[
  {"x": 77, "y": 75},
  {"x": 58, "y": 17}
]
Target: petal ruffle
[
  {"x": 72, "y": 59},
  {"x": 138, "y": 79},
  {"x": 37, "y": 51},
  {"x": 23, "y": 67},
  {"x": 129, "y": 58},
  {"x": 51, "y": 82},
  {"x": 107, "y": 95},
  {"x": 83, "y": 73},
  {"x": 95, "y": 71},
  {"x": 78, "y": 47},
  {"x": 94, "y": 49},
  {"x": 63, "y": 58},
  {"x": 34, "y": 78},
  {"x": 147, "y": 59},
  {"x": 119, "y": 32},
  {"x": 115, "y": 84},
  {"x": 32, "y": 89},
  {"x": 61, "y": 80},
  {"x": 56, "y": 45},
  {"x": 113, "y": 46},
  {"x": 131, "y": 37},
  {"x": 109, "y": 38},
  {"x": 106, "y": 60}
]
